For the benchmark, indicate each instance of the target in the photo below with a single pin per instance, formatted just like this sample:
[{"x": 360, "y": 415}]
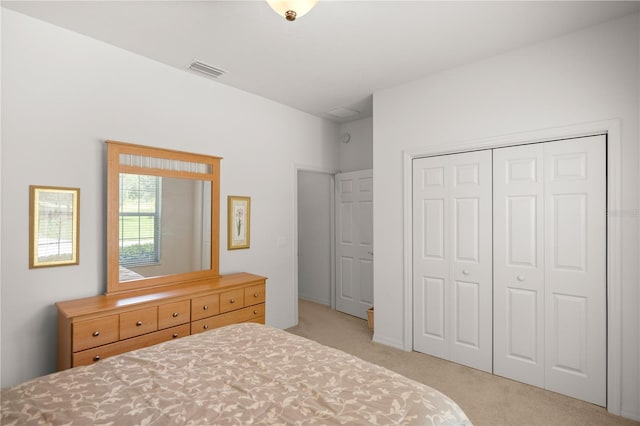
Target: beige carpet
[{"x": 487, "y": 399}]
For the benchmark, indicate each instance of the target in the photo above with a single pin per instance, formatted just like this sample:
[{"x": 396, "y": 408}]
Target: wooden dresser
[{"x": 94, "y": 328}]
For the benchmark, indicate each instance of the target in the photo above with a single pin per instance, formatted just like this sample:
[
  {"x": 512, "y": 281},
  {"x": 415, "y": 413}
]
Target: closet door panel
[
  {"x": 466, "y": 306},
  {"x": 431, "y": 224},
  {"x": 433, "y": 291},
  {"x": 522, "y": 322},
  {"x": 522, "y": 227},
  {"x": 518, "y": 252},
  {"x": 575, "y": 198},
  {"x": 471, "y": 262}
]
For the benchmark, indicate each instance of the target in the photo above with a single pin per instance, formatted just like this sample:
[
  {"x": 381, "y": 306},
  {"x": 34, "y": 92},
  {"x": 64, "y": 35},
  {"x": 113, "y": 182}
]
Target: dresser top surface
[{"x": 109, "y": 302}]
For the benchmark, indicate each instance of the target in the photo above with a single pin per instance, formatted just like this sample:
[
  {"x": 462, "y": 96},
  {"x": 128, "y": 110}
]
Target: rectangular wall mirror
[{"x": 163, "y": 216}]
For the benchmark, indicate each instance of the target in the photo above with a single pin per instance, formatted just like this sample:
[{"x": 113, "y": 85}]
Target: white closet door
[
  {"x": 431, "y": 224},
  {"x": 518, "y": 209},
  {"x": 453, "y": 258},
  {"x": 575, "y": 272},
  {"x": 550, "y": 266},
  {"x": 471, "y": 260}
]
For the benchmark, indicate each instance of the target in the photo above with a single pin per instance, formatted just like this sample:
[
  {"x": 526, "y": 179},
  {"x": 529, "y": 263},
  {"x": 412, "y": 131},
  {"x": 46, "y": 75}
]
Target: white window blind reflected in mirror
[
  {"x": 139, "y": 219},
  {"x": 146, "y": 162}
]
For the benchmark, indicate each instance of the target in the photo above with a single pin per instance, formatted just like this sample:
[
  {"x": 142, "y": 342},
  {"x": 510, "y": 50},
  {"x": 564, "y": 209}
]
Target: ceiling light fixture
[{"x": 292, "y": 9}]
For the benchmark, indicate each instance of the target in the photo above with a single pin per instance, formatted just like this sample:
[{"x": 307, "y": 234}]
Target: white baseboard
[
  {"x": 631, "y": 415},
  {"x": 383, "y": 340},
  {"x": 314, "y": 300}
]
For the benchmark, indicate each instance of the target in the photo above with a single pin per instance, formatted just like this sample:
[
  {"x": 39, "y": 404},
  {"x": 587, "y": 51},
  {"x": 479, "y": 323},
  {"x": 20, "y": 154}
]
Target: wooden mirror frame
[{"x": 114, "y": 168}]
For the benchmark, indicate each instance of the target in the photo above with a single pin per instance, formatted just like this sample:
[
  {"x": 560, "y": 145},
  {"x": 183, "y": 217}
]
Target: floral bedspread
[{"x": 240, "y": 374}]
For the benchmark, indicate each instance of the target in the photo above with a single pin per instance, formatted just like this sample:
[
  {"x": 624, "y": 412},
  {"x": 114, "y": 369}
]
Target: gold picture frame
[
  {"x": 54, "y": 226},
  {"x": 239, "y": 222}
]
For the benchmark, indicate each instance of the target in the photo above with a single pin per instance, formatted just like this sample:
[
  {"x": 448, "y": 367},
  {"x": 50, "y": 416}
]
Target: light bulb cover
[{"x": 285, "y": 8}]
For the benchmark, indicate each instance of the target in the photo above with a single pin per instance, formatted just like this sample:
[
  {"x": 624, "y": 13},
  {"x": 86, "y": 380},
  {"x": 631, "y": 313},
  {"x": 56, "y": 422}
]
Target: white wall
[
  {"x": 637, "y": 384},
  {"x": 1, "y": 13},
  {"x": 315, "y": 209},
  {"x": 357, "y": 154},
  {"x": 63, "y": 95},
  {"x": 588, "y": 76}
]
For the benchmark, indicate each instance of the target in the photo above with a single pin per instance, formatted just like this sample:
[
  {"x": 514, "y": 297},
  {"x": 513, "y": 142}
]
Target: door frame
[
  {"x": 611, "y": 128},
  {"x": 332, "y": 172}
]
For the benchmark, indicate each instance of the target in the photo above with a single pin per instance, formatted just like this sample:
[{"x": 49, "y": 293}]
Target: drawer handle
[
  {"x": 175, "y": 335},
  {"x": 232, "y": 301},
  {"x": 255, "y": 312},
  {"x": 96, "y": 333},
  {"x": 465, "y": 272},
  {"x": 205, "y": 307},
  {"x": 206, "y": 326},
  {"x": 96, "y": 358},
  {"x": 520, "y": 278},
  {"x": 255, "y": 294},
  {"x": 175, "y": 314},
  {"x": 139, "y": 323}
]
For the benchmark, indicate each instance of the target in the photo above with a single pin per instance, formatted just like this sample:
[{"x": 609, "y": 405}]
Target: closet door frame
[{"x": 610, "y": 128}]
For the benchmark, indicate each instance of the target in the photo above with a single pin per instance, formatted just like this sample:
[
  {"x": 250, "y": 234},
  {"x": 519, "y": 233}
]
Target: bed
[{"x": 240, "y": 374}]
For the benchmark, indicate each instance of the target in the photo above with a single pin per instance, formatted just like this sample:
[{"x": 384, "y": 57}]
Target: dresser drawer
[
  {"x": 92, "y": 355},
  {"x": 254, "y": 295},
  {"x": 141, "y": 321},
  {"x": 95, "y": 332},
  {"x": 231, "y": 300},
  {"x": 252, "y": 313},
  {"x": 172, "y": 314},
  {"x": 255, "y": 313},
  {"x": 205, "y": 306}
]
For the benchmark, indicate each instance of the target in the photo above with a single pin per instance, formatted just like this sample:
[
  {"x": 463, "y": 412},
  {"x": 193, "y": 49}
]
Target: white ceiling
[{"x": 336, "y": 56}]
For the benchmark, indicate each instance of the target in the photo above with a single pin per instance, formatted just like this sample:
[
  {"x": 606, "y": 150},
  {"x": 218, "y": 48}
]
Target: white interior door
[
  {"x": 518, "y": 214},
  {"x": 550, "y": 266},
  {"x": 471, "y": 260},
  {"x": 575, "y": 272},
  {"x": 354, "y": 242},
  {"x": 453, "y": 258},
  {"x": 431, "y": 260}
]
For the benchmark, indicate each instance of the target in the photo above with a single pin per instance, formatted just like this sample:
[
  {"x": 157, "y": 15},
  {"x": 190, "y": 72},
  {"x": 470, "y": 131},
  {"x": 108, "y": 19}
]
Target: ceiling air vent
[
  {"x": 207, "y": 69},
  {"x": 342, "y": 112}
]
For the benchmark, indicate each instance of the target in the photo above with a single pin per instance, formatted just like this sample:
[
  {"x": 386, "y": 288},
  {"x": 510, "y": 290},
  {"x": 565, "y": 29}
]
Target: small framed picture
[
  {"x": 239, "y": 218},
  {"x": 54, "y": 219}
]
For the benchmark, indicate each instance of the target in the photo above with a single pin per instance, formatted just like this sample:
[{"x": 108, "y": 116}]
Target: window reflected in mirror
[{"x": 163, "y": 224}]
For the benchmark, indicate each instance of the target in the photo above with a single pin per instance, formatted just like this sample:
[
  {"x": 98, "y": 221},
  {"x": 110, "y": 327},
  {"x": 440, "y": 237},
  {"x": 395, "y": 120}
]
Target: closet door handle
[
  {"x": 520, "y": 278},
  {"x": 465, "y": 272}
]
